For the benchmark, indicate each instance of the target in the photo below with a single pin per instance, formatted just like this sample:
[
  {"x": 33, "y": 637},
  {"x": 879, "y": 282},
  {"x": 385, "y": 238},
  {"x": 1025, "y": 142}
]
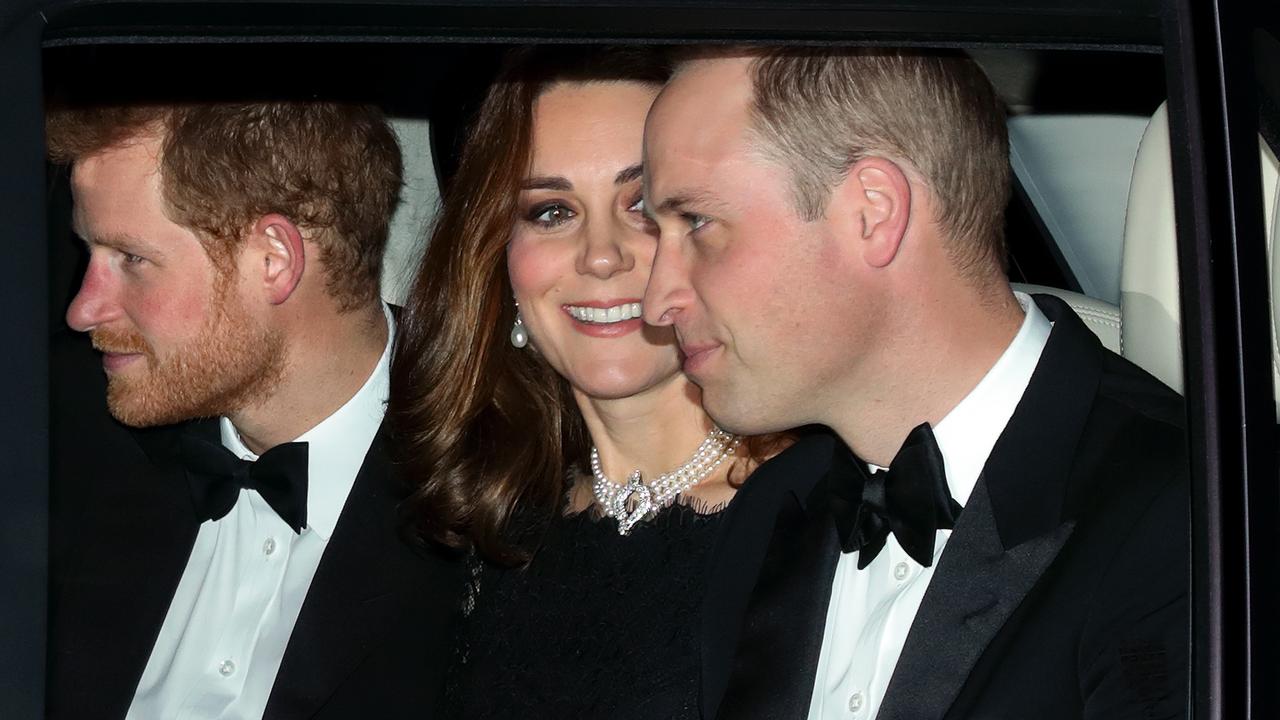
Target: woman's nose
[{"x": 606, "y": 251}]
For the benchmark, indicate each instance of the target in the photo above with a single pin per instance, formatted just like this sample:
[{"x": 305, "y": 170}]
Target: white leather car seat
[
  {"x": 1273, "y": 264},
  {"x": 419, "y": 202},
  {"x": 1075, "y": 171},
  {"x": 1150, "y": 329}
]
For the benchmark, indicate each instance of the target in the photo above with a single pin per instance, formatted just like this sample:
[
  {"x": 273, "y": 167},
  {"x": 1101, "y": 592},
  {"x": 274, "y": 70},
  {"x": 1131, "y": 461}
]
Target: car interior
[{"x": 1091, "y": 218}]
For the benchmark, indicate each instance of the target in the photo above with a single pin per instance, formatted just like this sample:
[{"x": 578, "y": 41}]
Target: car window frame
[
  {"x": 1219, "y": 227},
  {"x": 1227, "y": 354}
]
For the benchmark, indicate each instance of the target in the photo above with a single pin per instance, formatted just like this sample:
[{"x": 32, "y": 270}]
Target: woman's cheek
[{"x": 532, "y": 266}]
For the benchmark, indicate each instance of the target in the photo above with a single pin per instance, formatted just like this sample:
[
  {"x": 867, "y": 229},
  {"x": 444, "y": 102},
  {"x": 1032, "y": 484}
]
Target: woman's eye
[
  {"x": 637, "y": 206},
  {"x": 131, "y": 259},
  {"x": 551, "y": 215}
]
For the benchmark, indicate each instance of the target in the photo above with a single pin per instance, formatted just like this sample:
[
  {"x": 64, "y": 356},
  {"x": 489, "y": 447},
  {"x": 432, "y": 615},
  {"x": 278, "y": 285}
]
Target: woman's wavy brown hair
[{"x": 482, "y": 427}]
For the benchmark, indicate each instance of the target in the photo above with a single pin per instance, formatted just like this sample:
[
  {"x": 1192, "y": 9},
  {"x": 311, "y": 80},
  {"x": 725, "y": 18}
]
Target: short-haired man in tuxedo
[
  {"x": 832, "y": 253},
  {"x": 241, "y": 555}
]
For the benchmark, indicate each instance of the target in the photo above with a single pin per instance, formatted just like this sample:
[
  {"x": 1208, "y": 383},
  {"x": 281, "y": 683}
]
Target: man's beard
[{"x": 233, "y": 363}]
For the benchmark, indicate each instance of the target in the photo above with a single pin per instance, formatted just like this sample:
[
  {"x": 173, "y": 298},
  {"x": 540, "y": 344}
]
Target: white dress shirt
[
  {"x": 229, "y": 622},
  {"x": 872, "y": 609}
]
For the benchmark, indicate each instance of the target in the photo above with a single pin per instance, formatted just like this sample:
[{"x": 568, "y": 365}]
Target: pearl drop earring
[{"x": 519, "y": 336}]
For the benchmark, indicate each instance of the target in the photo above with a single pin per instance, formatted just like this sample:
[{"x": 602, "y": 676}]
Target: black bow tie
[
  {"x": 217, "y": 475},
  {"x": 910, "y": 499}
]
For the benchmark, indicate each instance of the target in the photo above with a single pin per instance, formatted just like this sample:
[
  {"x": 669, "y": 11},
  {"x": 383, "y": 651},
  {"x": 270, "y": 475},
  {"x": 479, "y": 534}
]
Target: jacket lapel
[
  {"x": 777, "y": 659},
  {"x": 977, "y": 587},
  {"x": 777, "y": 544},
  {"x": 364, "y": 577},
  {"x": 126, "y": 553},
  {"x": 1010, "y": 532}
]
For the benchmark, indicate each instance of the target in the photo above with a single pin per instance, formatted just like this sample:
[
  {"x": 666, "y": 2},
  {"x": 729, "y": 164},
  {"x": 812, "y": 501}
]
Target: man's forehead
[
  {"x": 135, "y": 160},
  {"x": 724, "y": 70},
  {"x": 118, "y": 200},
  {"x": 707, "y": 89},
  {"x": 699, "y": 139}
]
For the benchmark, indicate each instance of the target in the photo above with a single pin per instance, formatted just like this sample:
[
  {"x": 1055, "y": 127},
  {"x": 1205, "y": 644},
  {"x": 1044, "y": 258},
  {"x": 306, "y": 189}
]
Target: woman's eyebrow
[
  {"x": 546, "y": 183},
  {"x": 635, "y": 172}
]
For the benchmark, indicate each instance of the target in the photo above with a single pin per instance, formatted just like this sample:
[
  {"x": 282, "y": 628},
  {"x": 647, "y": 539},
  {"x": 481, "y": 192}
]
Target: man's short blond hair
[{"x": 817, "y": 112}]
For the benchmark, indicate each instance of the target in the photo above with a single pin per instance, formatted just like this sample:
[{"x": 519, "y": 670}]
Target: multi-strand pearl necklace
[{"x": 634, "y": 501}]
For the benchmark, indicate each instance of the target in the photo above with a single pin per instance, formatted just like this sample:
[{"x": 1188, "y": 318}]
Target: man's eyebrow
[
  {"x": 117, "y": 241},
  {"x": 680, "y": 200},
  {"x": 635, "y": 172},
  {"x": 546, "y": 183}
]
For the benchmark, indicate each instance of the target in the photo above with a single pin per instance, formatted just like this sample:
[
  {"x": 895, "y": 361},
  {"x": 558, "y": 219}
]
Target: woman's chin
[{"x": 620, "y": 385}]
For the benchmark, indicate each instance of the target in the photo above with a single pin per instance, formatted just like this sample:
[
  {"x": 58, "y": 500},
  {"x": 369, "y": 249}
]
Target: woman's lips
[
  {"x": 617, "y": 328},
  {"x": 607, "y": 330}
]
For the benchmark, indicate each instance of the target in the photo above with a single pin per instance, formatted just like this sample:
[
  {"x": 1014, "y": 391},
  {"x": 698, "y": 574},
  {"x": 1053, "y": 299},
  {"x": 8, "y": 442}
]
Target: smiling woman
[
  {"x": 462, "y": 392},
  {"x": 578, "y": 254},
  {"x": 543, "y": 233}
]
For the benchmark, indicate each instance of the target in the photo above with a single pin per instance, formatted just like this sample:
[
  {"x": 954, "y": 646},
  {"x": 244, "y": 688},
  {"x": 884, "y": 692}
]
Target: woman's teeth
[{"x": 617, "y": 313}]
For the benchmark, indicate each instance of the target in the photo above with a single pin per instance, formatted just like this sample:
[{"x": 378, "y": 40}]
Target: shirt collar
[
  {"x": 967, "y": 433},
  {"x": 336, "y": 447}
]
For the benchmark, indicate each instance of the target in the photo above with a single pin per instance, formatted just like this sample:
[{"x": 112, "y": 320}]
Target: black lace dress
[{"x": 597, "y": 626}]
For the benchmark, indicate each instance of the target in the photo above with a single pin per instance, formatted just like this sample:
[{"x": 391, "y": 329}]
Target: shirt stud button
[
  {"x": 901, "y": 571},
  {"x": 269, "y": 546},
  {"x": 855, "y": 702},
  {"x": 227, "y": 668}
]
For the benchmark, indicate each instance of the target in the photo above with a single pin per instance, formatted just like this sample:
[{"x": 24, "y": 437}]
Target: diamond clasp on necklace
[{"x": 628, "y": 512}]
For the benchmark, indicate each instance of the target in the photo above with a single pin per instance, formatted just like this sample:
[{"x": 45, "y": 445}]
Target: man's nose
[
  {"x": 668, "y": 292},
  {"x": 94, "y": 304}
]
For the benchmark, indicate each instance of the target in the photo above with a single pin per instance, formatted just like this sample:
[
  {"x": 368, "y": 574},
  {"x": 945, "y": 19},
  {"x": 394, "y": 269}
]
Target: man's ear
[
  {"x": 875, "y": 202},
  {"x": 276, "y": 246}
]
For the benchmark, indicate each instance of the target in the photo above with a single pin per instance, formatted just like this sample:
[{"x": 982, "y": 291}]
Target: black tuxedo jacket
[
  {"x": 1062, "y": 592},
  {"x": 374, "y": 634}
]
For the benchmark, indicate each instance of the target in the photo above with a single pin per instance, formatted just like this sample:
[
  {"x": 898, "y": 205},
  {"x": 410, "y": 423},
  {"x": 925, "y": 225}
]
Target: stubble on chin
[{"x": 233, "y": 363}]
